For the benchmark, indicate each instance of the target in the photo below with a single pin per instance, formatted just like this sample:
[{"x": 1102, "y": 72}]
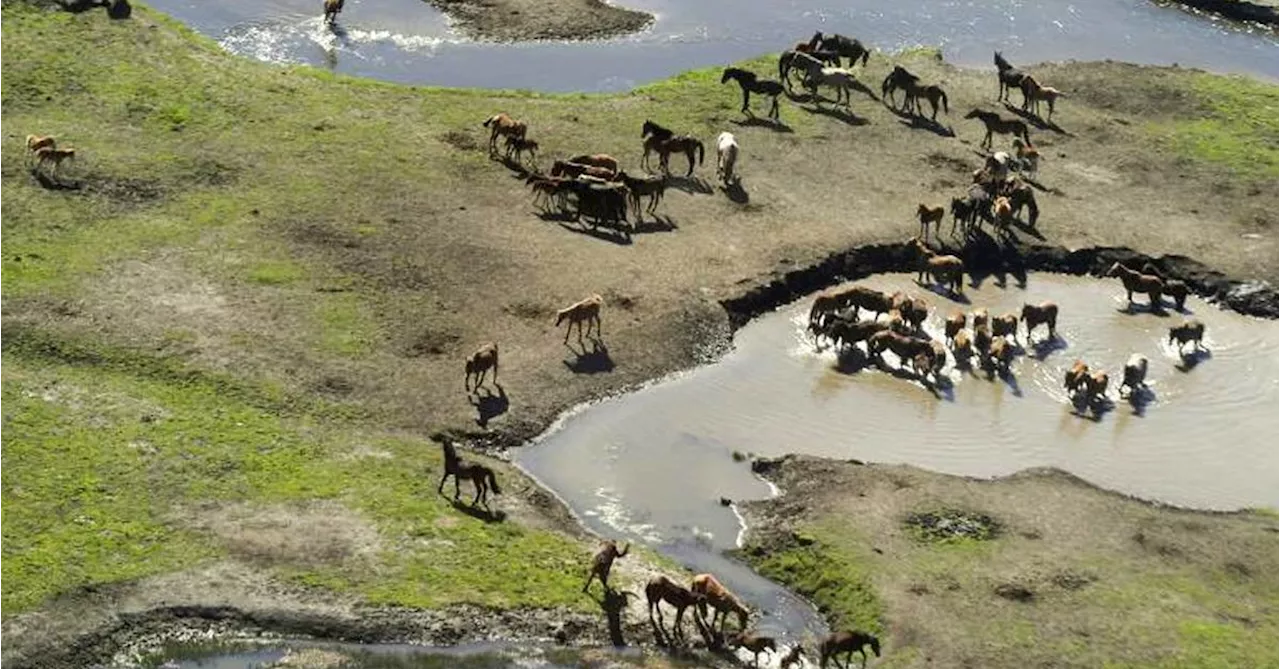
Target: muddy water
[
  {"x": 653, "y": 465},
  {"x": 407, "y": 41}
]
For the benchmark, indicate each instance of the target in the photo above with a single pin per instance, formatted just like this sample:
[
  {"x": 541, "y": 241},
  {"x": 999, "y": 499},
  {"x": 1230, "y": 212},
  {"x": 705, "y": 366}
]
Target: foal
[
  {"x": 586, "y": 309},
  {"x": 1033, "y": 93},
  {"x": 502, "y": 124},
  {"x": 480, "y": 362},
  {"x": 602, "y": 563},
  {"x": 929, "y": 215}
]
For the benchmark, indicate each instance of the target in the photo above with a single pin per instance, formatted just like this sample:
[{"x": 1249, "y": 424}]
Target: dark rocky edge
[
  {"x": 1236, "y": 10},
  {"x": 1252, "y": 298}
]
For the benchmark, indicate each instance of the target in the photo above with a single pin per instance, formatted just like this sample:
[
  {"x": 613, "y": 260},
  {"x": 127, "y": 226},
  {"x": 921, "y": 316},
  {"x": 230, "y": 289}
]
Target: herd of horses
[
  {"x": 705, "y": 592},
  {"x": 992, "y": 339}
]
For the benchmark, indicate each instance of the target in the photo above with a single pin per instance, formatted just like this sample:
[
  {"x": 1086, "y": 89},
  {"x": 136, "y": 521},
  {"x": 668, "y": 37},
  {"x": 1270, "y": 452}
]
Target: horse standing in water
[
  {"x": 750, "y": 83},
  {"x": 331, "y": 9}
]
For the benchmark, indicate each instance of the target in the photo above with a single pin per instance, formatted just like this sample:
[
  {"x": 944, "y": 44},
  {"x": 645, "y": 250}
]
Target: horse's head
[
  {"x": 976, "y": 113},
  {"x": 728, "y": 74}
]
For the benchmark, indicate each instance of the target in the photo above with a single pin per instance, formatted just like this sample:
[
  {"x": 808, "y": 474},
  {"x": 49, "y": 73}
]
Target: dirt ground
[
  {"x": 225, "y": 251},
  {"x": 1037, "y": 569},
  {"x": 523, "y": 20}
]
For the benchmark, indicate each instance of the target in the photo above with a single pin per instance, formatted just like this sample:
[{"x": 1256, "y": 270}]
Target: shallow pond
[
  {"x": 653, "y": 465},
  {"x": 408, "y": 41}
]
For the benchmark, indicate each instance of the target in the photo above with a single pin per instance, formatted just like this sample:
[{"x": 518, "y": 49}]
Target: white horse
[{"x": 726, "y": 157}]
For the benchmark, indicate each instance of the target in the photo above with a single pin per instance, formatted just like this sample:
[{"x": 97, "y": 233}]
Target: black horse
[
  {"x": 1009, "y": 77},
  {"x": 804, "y": 61},
  {"x": 653, "y": 135},
  {"x": 750, "y": 83},
  {"x": 899, "y": 78},
  {"x": 845, "y": 47}
]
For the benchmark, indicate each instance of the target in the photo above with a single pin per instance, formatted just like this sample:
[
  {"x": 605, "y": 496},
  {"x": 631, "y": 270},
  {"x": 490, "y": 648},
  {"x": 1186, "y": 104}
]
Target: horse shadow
[
  {"x": 1028, "y": 229},
  {"x": 479, "y": 512},
  {"x": 1036, "y": 121},
  {"x": 1155, "y": 309},
  {"x": 489, "y": 406},
  {"x": 612, "y": 604},
  {"x": 852, "y": 360},
  {"x": 918, "y": 121},
  {"x": 619, "y": 237},
  {"x": 690, "y": 184},
  {"x": 943, "y": 291},
  {"x": 53, "y": 183},
  {"x": 753, "y": 121},
  {"x": 1188, "y": 362},
  {"x": 842, "y": 114},
  {"x": 515, "y": 165},
  {"x": 736, "y": 193},
  {"x": 1139, "y": 399},
  {"x": 658, "y": 223},
  {"x": 593, "y": 361},
  {"x": 1042, "y": 348}
]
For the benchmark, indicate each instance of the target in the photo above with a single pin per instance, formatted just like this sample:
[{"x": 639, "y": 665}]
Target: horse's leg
[
  {"x": 746, "y": 99},
  {"x": 440, "y": 488}
]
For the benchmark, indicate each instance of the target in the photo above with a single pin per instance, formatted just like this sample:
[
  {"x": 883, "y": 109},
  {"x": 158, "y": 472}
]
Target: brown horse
[
  {"x": 999, "y": 126},
  {"x": 481, "y": 477},
  {"x": 982, "y": 340},
  {"x": 585, "y": 310},
  {"x": 1075, "y": 377},
  {"x": 1005, "y": 325},
  {"x": 685, "y": 144},
  {"x": 662, "y": 589},
  {"x": 603, "y": 160},
  {"x": 37, "y": 142},
  {"x": 953, "y": 325},
  {"x": 1137, "y": 282},
  {"x": 947, "y": 270},
  {"x": 756, "y": 643},
  {"x": 331, "y": 9},
  {"x": 50, "y": 154},
  {"x": 504, "y": 125},
  {"x": 906, "y": 348},
  {"x": 1172, "y": 287},
  {"x": 602, "y": 563},
  {"x": 793, "y": 658},
  {"x": 1035, "y": 314},
  {"x": 652, "y": 187},
  {"x": 1095, "y": 384},
  {"x": 933, "y": 93},
  {"x": 846, "y": 642},
  {"x": 480, "y": 362},
  {"x": 720, "y": 599},
  {"x": 518, "y": 146},
  {"x": 1033, "y": 94},
  {"x": 1192, "y": 330},
  {"x": 929, "y": 216},
  {"x": 564, "y": 168},
  {"x": 1001, "y": 354}
]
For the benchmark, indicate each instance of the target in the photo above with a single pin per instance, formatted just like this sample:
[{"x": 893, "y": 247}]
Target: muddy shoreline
[
  {"x": 1235, "y": 10},
  {"x": 533, "y": 20}
]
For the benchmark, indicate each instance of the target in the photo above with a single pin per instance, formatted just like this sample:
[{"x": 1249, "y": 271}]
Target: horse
[
  {"x": 750, "y": 83},
  {"x": 562, "y": 168},
  {"x": 1002, "y": 211},
  {"x": 479, "y": 363},
  {"x": 548, "y": 189},
  {"x": 1001, "y": 354},
  {"x": 953, "y": 325},
  {"x": 947, "y": 270},
  {"x": 906, "y": 348},
  {"x": 808, "y": 61},
  {"x": 1009, "y": 77},
  {"x": 50, "y": 154},
  {"x": 792, "y": 658},
  {"x": 1075, "y": 377},
  {"x": 929, "y": 215},
  {"x": 1192, "y": 330},
  {"x": 1021, "y": 195},
  {"x": 838, "y": 78},
  {"x": 1135, "y": 374},
  {"x": 996, "y": 125},
  {"x": 520, "y": 146},
  {"x": 1005, "y": 325},
  {"x": 602, "y": 563},
  {"x": 898, "y": 78},
  {"x": 962, "y": 347},
  {"x": 982, "y": 339},
  {"x": 846, "y": 642},
  {"x": 933, "y": 93},
  {"x": 755, "y": 643},
  {"x": 679, "y": 144},
  {"x": 914, "y": 310},
  {"x": 1137, "y": 282},
  {"x": 847, "y": 333},
  {"x": 662, "y": 589},
  {"x": 843, "y": 47},
  {"x": 601, "y": 160},
  {"x": 37, "y": 142},
  {"x": 481, "y": 477},
  {"x": 981, "y": 317},
  {"x": 502, "y": 124},
  {"x": 653, "y": 135},
  {"x": 720, "y": 599},
  {"x": 726, "y": 157},
  {"x": 331, "y": 9},
  {"x": 1033, "y": 93},
  {"x": 1095, "y": 385},
  {"x": 1028, "y": 157},
  {"x": 1174, "y": 288},
  {"x": 1035, "y": 314},
  {"x": 586, "y": 309},
  {"x": 654, "y": 187}
]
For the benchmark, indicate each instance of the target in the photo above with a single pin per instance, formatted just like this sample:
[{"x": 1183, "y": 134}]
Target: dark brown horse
[
  {"x": 846, "y": 642},
  {"x": 662, "y": 589},
  {"x": 480, "y": 476},
  {"x": 689, "y": 146},
  {"x": 996, "y": 125},
  {"x": 1009, "y": 77},
  {"x": 602, "y": 563}
]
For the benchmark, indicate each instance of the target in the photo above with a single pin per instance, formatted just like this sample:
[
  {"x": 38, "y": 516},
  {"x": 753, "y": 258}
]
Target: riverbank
[
  {"x": 1262, "y": 13},
  {"x": 524, "y": 20},
  {"x": 1027, "y": 570},
  {"x": 230, "y": 328}
]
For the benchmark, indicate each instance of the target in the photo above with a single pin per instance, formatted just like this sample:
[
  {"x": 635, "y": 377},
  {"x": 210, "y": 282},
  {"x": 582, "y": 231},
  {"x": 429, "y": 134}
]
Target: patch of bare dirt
[
  {"x": 522, "y": 20},
  {"x": 316, "y": 533}
]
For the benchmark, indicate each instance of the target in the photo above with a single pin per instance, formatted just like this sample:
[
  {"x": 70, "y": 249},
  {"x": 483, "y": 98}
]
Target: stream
[{"x": 408, "y": 41}]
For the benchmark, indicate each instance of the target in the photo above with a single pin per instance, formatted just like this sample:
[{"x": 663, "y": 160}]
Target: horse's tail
[
  {"x": 866, "y": 53},
  {"x": 493, "y": 481},
  {"x": 784, "y": 65},
  {"x": 943, "y": 95},
  {"x": 701, "y": 150},
  {"x": 1033, "y": 211}
]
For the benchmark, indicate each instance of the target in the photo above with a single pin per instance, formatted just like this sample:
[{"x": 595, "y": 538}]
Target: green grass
[{"x": 1239, "y": 131}]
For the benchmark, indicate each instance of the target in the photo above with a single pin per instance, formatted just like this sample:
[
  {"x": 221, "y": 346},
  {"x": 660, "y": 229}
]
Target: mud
[
  {"x": 523, "y": 20},
  {"x": 1236, "y": 10}
]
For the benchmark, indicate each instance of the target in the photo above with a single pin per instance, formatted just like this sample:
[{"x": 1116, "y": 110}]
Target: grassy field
[
  {"x": 227, "y": 337},
  {"x": 1068, "y": 576}
]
